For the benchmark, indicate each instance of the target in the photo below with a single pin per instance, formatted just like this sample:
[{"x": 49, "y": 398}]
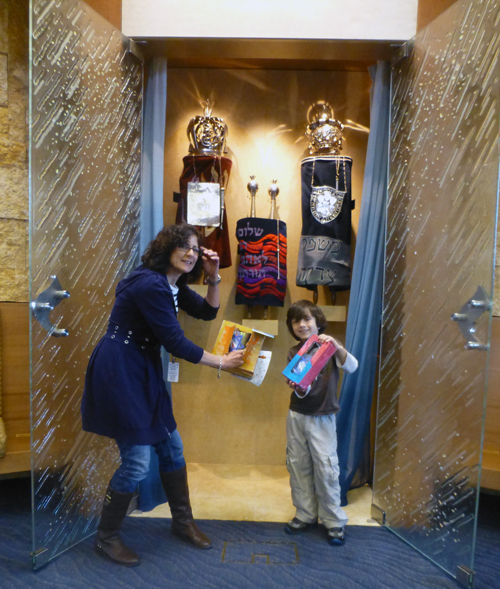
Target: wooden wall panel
[
  {"x": 111, "y": 10},
  {"x": 230, "y": 421},
  {"x": 428, "y": 10},
  {"x": 490, "y": 478},
  {"x": 14, "y": 318}
]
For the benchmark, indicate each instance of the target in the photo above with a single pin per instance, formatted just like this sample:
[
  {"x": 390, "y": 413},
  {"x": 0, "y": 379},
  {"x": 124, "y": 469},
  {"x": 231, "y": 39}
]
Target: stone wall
[{"x": 14, "y": 194}]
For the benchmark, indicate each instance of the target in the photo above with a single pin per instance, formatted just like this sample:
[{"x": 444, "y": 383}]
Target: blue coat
[{"x": 125, "y": 397}]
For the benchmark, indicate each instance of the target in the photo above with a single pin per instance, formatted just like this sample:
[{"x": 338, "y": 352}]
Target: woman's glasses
[{"x": 187, "y": 248}]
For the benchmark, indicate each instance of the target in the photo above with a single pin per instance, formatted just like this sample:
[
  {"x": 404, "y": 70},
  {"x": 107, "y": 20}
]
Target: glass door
[
  {"x": 440, "y": 244},
  {"x": 85, "y": 156}
]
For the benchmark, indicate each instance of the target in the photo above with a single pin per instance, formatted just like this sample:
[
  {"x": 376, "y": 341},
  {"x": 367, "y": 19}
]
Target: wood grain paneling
[
  {"x": 15, "y": 462},
  {"x": 15, "y": 406},
  {"x": 490, "y": 478},
  {"x": 230, "y": 421},
  {"x": 428, "y": 10},
  {"x": 111, "y": 10},
  {"x": 14, "y": 318}
]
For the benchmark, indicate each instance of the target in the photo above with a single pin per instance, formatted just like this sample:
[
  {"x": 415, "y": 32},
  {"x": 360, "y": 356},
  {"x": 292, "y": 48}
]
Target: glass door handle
[
  {"x": 467, "y": 318},
  {"x": 45, "y": 303}
]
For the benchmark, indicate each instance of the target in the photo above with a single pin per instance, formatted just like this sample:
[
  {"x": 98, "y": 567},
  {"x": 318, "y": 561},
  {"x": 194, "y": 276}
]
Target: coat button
[
  {"x": 112, "y": 337},
  {"x": 147, "y": 339},
  {"x": 126, "y": 341},
  {"x": 130, "y": 333}
]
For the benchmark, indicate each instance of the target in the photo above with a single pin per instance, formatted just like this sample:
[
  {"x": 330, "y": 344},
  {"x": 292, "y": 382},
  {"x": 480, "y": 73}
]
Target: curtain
[
  {"x": 152, "y": 151},
  {"x": 151, "y": 491},
  {"x": 365, "y": 305}
]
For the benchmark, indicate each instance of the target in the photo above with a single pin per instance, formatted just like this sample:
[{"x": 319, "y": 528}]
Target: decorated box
[
  {"x": 308, "y": 361},
  {"x": 233, "y": 336}
]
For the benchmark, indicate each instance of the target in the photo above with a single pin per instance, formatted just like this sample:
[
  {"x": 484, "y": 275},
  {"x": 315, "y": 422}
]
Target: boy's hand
[
  {"x": 341, "y": 352},
  {"x": 295, "y": 387},
  {"x": 328, "y": 338}
]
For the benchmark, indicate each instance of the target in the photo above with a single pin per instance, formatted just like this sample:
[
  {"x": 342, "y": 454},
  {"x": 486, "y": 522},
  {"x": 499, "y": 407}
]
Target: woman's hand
[
  {"x": 232, "y": 359},
  {"x": 210, "y": 263}
]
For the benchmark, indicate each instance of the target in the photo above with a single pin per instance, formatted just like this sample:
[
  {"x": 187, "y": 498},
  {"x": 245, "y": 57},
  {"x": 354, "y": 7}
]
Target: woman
[{"x": 125, "y": 397}]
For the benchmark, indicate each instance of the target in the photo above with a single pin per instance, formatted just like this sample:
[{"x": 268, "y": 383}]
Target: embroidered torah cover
[
  {"x": 206, "y": 168},
  {"x": 325, "y": 245},
  {"x": 262, "y": 267}
]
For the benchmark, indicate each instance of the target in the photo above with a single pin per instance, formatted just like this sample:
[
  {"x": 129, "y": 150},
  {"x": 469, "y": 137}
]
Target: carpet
[{"x": 245, "y": 555}]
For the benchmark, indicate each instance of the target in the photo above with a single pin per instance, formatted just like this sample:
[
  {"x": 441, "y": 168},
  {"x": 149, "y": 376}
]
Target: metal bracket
[
  {"x": 468, "y": 316},
  {"x": 135, "y": 50},
  {"x": 45, "y": 303},
  {"x": 400, "y": 52},
  {"x": 40, "y": 558},
  {"x": 465, "y": 576},
  {"x": 378, "y": 514}
]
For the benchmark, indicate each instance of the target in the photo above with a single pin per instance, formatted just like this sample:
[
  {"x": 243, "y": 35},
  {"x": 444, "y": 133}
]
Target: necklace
[{"x": 326, "y": 201}]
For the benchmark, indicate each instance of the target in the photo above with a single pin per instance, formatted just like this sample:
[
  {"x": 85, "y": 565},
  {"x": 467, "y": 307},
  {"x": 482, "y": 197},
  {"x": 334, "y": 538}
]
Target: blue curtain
[
  {"x": 151, "y": 491},
  {"x": 365, "y": 304},
  {"x": 152, "y": 151}
]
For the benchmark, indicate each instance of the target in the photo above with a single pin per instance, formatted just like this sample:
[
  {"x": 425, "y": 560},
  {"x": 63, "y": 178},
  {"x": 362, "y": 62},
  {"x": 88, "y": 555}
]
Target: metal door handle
[
  {"x": 476, "y": 346},
  {"x": 45, "y": 303},
  {"x": 467, "y": 318}
]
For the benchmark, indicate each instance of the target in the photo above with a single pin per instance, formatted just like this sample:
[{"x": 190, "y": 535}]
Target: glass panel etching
[
  {"x": 86, "y": 125},
  {"x": 440, "y": 249}
]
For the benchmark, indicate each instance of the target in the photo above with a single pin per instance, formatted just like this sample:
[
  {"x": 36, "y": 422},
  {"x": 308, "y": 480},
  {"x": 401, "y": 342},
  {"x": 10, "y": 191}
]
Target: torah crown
[
  {"x": 207, "y": 134},
  {"x": 323, "y": 132}
]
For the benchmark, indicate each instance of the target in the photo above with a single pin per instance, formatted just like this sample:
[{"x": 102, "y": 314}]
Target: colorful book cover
[{"x": 233, "y": 336}]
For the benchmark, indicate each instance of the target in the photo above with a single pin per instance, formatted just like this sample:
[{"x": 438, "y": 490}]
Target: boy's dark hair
[
  {"x": 157, "y": 254},
  {"x": 301, "y": 310}
]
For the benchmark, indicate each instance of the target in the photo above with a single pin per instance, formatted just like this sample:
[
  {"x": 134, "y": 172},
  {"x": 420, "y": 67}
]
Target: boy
[{"x": 311, "y": 432}]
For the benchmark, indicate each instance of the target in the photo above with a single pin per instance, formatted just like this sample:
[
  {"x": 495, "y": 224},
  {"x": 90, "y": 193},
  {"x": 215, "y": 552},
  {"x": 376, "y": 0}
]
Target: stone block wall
[{"x": 14, "y": 142}]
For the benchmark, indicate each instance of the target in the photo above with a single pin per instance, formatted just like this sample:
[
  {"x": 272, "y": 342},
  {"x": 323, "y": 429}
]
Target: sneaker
[
  {"x": 336, "y": 536},
  {"x": 295, "y": 526}
]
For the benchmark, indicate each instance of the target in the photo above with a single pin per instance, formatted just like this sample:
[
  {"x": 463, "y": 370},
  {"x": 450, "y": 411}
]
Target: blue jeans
[{"x": 135, "y": 462}]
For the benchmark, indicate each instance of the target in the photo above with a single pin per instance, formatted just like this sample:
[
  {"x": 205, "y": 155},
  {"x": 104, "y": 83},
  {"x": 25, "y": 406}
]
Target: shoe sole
[
  {"x": 334, "y": 542},
  {"x": 294, "y": 532},
  {"x": 107, "y": 557},
  {"x": 189, "y": 541}
]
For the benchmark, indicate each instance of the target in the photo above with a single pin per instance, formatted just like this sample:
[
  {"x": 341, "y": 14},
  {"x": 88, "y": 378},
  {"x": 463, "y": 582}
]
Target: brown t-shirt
[{"x": 322, "y": 398}]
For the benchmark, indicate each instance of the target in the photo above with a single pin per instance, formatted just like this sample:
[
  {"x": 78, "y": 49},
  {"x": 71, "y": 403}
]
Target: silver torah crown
[
  {"x": 207, "y": 134},
  {"x": 323, "y": 132}
]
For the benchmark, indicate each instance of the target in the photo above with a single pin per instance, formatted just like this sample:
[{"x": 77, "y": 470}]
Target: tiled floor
[{"x": 253, "y": 493}]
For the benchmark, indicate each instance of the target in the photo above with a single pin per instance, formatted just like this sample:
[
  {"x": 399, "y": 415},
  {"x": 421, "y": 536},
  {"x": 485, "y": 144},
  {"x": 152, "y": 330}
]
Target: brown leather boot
[
  {"x": 183, "y": 525},
  {"x": 108, "y": 541}
]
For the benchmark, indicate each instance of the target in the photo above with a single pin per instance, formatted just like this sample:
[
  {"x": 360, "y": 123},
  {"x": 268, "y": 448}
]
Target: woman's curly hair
[{"x": 158, "y": 253}]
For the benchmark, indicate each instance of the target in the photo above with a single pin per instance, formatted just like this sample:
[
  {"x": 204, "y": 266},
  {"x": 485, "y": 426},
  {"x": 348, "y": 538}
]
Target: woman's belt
[{"x": 126, "y": 336}]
